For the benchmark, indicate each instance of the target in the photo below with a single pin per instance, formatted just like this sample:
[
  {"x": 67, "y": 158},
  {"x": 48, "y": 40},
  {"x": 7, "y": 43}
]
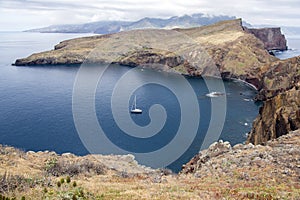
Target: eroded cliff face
[
  {"x": 278, "y": 77},
  {"x": 272, "y": 38},
  {"x": 280, "y": 91},
  {"x": 277, "y": 117}
]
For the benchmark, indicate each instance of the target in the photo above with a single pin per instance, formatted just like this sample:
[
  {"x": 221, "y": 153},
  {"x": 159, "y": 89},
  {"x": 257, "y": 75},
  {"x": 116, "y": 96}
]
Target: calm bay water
[
  {"x": 36, "y": 103},
  {"x": 293, "y": 46}
]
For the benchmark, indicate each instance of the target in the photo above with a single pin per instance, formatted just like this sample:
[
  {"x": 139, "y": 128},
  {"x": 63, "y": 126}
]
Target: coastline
[{"x": 245, "y": 82}]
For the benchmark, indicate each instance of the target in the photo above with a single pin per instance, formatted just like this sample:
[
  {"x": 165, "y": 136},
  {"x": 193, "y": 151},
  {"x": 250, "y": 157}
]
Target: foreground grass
[
  {"x": 172, "y": 187},
  {"x": 46, "y": 175}
]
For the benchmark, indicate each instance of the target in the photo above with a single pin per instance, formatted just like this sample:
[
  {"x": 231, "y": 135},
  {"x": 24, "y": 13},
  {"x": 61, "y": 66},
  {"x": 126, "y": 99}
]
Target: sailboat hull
[{"x": 136, "y": 111}]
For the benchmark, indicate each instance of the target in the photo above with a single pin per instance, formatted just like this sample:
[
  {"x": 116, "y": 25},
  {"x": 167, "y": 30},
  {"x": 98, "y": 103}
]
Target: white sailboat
[{"x": 134, "y": 109}]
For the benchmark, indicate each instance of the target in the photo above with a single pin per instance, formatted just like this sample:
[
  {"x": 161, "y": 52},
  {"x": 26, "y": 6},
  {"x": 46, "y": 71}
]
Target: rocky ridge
[{"x": 282, "y": 153}]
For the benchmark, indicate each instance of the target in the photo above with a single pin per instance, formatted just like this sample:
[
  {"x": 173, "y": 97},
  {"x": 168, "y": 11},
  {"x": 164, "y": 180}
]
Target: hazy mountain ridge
[{"x": 106, "y": 27}]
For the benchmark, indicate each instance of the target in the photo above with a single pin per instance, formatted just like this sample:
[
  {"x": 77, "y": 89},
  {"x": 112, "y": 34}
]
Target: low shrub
[
  {"x": 11, "y": 183},
  {"x": 62, "y": 167}
]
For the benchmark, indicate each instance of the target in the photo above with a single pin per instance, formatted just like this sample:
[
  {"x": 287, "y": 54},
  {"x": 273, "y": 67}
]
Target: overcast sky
[{"x": 26, "y": 14}]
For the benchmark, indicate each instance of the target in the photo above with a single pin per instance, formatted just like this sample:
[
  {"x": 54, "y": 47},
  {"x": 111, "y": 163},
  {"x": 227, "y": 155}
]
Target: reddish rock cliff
[{"x": 272, "y": 38}]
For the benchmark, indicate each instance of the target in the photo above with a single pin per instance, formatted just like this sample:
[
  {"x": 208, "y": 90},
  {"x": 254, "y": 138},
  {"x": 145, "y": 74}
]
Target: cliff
[
  {"x": 220, "y": 172},
  {"x": 277, "y": 77},
  {"x": 278, "y": 116},
  {"x": 272, "y": 38},
  {"x": 280, "y": 91}
]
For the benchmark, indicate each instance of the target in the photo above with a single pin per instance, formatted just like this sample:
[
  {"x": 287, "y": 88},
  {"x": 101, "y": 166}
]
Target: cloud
[{"x": 19, "y": 14}]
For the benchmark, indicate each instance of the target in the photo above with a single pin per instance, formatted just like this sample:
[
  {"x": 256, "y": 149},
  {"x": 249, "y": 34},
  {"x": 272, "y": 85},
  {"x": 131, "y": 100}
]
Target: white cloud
[{"x": 24, "y": 14}]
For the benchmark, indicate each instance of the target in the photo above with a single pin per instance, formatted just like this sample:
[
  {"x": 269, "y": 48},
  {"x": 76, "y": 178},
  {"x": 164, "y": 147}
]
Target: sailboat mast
[
  {"x": 135, "y": 102},
  {"x": 134, "y": 109}
]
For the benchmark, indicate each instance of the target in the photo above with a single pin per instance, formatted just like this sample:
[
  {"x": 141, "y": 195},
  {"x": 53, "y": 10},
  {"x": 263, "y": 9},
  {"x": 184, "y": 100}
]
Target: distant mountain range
[{"x": 105, "y": 27}]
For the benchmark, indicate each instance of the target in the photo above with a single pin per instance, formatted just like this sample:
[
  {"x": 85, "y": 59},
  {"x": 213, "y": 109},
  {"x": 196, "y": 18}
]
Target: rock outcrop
[
  {"x": 272, "y": 38},
  {"x": 278, "y": 77},
  {"x": 280, "y": 153},
  {"x": 280, "y": 91},
  {"x": 278, "y": 116},
  {"x": 272, "y": 163}
]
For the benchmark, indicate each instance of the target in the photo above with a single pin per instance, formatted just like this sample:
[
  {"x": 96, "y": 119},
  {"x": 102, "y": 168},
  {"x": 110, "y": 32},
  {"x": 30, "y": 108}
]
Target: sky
[{"x": 27, "y": 14}]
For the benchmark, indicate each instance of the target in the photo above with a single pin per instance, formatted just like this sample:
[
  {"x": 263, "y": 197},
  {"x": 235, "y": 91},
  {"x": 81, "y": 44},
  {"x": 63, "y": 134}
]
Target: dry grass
[
  {"x": 220, "y": 38},
  {"x": 128, "y": 180},
  {"x": 112, "y": 186}
]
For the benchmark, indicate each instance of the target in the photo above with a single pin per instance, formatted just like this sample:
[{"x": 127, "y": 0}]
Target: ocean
[{"x": 37, "y": 108}]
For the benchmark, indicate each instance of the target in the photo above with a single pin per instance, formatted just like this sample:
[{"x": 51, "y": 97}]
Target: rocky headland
[
  {"x": 233, "y": 50},
  {"x": 228, "y": 45},
  {"x": 270, "y": 169}
]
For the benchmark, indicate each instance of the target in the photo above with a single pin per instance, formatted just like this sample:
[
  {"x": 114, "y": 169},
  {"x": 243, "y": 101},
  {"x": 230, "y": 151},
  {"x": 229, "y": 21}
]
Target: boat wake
[
  {"x": 248, "y": 99},
  {"x": 215, "y": 94}
]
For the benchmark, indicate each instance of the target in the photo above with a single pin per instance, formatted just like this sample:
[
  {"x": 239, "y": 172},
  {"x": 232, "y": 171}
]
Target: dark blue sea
[{"x": 36, "y": 106}]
